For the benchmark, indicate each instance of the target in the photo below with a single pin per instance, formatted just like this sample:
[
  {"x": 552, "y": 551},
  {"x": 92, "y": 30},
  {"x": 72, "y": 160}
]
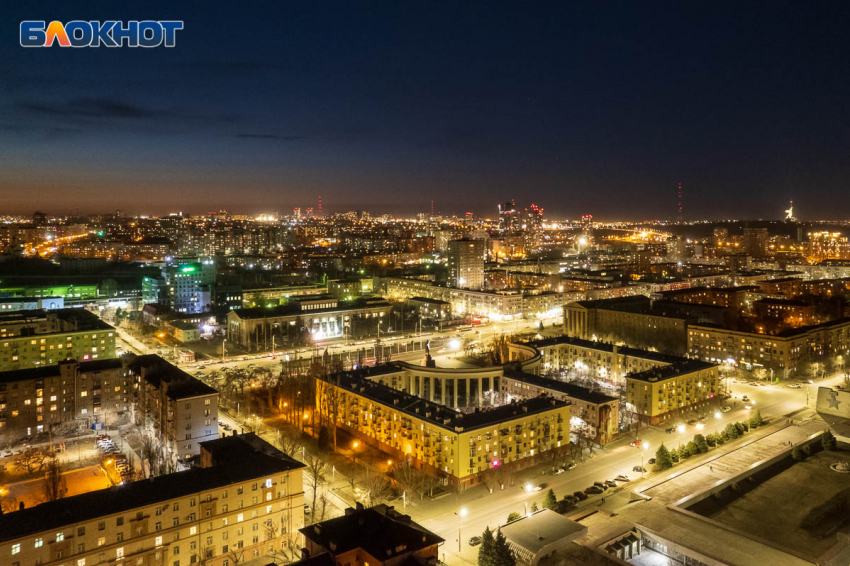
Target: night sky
[{"x": 596, "y": 107}]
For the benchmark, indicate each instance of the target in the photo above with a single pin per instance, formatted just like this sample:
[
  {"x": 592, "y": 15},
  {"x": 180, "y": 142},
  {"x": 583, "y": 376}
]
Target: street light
[
  {"x": 460, "y": 515},
  {"x": 645, "y": 447}
]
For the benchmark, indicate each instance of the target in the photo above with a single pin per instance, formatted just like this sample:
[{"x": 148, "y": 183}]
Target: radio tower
[
  {"x": 320, "y": 205},
  {"x": 680, "y": 203},
  {"x": 432, "y": 209}
]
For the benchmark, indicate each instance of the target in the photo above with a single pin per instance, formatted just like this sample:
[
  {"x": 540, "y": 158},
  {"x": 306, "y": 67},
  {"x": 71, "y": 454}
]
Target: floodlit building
[
  {"x": 466, "y": 263},
  {"x": 34, "y": 338},
  {"x": 245, "y": 500},
  {"x": 459, "y": 448}
]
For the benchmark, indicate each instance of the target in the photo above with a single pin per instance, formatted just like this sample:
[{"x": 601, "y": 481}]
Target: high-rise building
[
  {"x": 184, "y": 285},
  {"x": 466, "y": 264},
  {"x": 719, "y": 236},
  {"x": 509, "y": 217},
  {"x": 755, "y": 242}
]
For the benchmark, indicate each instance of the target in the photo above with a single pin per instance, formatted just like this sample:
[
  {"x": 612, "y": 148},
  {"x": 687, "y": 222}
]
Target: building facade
[
  {"x": 245, "y": 501},
  {"x": 36, "y": 337},
  {"x": 466, "y": 263}
]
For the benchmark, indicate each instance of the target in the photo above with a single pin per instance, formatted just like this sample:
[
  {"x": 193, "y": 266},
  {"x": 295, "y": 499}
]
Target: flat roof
[
  {"x": 667, "y": 372},
  {"x": 569, "y": 389},
  {"x": 181, "y": 385},
  {"x": 605, "y": 347},
  {"x": 47, "y": 372},
  {"x": 538, "y": 530}
]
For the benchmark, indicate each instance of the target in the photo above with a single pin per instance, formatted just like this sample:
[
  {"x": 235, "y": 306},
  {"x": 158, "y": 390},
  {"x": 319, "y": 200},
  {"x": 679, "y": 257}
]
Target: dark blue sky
[{"x": 600, "y": 107}]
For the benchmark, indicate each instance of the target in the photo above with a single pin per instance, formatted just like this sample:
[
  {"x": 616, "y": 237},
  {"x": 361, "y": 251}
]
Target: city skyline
[{"x": 585, "y": 107}]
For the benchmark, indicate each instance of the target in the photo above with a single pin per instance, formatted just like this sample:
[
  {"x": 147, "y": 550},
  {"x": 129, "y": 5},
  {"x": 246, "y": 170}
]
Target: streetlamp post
[
  {"x": 644, "y": 447},
  {"x": 460, "y": 515}
]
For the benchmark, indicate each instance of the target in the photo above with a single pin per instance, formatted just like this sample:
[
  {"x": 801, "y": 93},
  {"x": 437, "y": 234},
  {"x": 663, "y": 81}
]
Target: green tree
[
  {"x": 674, "y": 455},
  {"x": 503, "y": 555},
  {"x": 746, "y": 425},
  {"x": 692, "y": 448},
  {"x": 513, "y": 517},
  {"x": 797, "y": 454},
  {"x": 550, "y": 501},
  {"x": 740, "y": 428},
  {"x": 663, "y": 458},
  {"x": 702, "y": 444},
  {"x": 828, "y": 441},
  {"x": 731, "y": 431},
  {"x": 756, "y": 420},
  {"x": 534, "y": 506},
  {"x": 723, "y": 437},
  {"x": 711, "y": 440},
  {"x": 807, "y": 450},
  {"x": 683, "y": 452},
  {"x": 487, "y": 552}
]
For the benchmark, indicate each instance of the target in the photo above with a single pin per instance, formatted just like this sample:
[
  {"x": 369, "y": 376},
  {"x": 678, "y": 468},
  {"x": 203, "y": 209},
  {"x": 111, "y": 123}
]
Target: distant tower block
[
  {"x": 681, "y": 215},
  {"x": 789, "y": 214}
]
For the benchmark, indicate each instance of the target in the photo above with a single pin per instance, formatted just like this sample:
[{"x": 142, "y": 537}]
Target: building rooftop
[
  {"x": 380, "y": 531},
  {"x": 538, "y": 530},
  {"x": 45, "y": 372},
  {"x": 181, "y": 385},
  {"x": 605, "y": 347},
  {"x": 58, "y": 514},
  {"x": 294, "y": 308},
  {"x": 569, "y": 389},
  {"x": 359, "y": 382},
  {"x": 667, "y": 372}
]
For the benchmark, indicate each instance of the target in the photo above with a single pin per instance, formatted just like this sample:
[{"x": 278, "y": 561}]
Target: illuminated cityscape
[{"x": 556, "y": 285}]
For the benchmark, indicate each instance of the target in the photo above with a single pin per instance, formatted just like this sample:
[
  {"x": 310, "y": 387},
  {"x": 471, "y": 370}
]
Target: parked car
[
  {"x": 725, "y": 409},
  {"x": 538, "y": 487},
  {"x": 611, "y": 483},
  {"x": 745, "y": 398},
  {"x": 670, "y": 429},
  {"x": 580, "y": 495},
  {"x": 635, "y": 443},
  {"x": 794, "y": 386},
  {"x": 623, "y": 478},
  {"x": 475, "y": 541},
  {"x": 7, "y": 454},
  {"x": 692, "y": 422},
  {"x": 559, "y": 471},
  {"x": 639, "y": 469},
  {"x": 651, "y": 461},
  {"x": 601, "y": 485},
  {"x": 839, "y": 388},
  {"x": 570, "y": 466},
  {"x": 594, "y": 489}
]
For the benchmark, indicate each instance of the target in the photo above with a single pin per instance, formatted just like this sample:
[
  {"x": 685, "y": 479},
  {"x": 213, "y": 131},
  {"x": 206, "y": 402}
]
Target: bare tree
[
  {"x": 288, "y": 444},
  {"x": 236, "y": 556},
  {"x": 377, "y": 487},
  {"x": 30, "y": 460},
  {"x": 53, "y": 486},
  {"x": 316, "y": 469}
]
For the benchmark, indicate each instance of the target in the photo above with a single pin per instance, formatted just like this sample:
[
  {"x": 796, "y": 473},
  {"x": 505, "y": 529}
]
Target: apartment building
[
  {"x": 62, "y": 397},
  {"x": 245, "y": 501},
  {"x": 75, "y": 395},
  {"x": 34, "y": 338},
  {"x": 789, "y": 350},
  {"x": 457, "y": 447},
  {"x": 182, "y": 408},
  {"x": 633, "y": 320},
  {"x": 670, "y": 392},
  {"x": 600, "y": 412}
]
